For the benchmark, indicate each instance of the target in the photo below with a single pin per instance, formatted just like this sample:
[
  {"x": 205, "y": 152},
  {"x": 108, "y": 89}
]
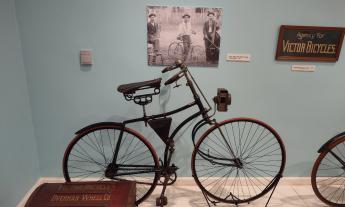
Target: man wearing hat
[
  {"x": 153, "y": 30},
  {"x": 211, "y": 38},
  {"x": 184, "y": 33}
]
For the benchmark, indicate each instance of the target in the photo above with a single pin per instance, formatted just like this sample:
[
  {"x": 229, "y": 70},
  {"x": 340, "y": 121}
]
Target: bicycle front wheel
[
  {"x": 175, "y": 50},
  {"x": 90, "y": 157},
  {"x": 328, "y": 174},
  {"x": 238, "y": 160}
]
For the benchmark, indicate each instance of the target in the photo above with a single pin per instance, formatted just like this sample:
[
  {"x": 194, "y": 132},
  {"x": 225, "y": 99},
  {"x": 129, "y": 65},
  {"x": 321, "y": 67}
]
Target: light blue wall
[
  {"x": 18, "y": 153},
  {"x": 305, "y": 108}
]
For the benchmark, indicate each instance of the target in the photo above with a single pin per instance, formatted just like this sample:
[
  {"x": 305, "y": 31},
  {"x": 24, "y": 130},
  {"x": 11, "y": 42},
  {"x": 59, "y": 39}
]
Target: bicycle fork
[{"x": 235, "y": 159}]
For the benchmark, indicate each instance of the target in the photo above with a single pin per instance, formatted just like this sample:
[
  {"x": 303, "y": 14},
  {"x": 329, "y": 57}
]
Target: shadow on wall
[
  {"x": 85, "y": 68},
  {"x": 302, "y": 169}
]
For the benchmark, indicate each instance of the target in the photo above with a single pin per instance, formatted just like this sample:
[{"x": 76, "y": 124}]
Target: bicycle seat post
[{"x": 145, "y": 117}]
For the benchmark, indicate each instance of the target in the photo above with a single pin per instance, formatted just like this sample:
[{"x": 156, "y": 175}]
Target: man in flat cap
[
  {"x": 211, "y": 38},
  {"x": 184, "y": 33},
  {"x": 153, "y": 34}
]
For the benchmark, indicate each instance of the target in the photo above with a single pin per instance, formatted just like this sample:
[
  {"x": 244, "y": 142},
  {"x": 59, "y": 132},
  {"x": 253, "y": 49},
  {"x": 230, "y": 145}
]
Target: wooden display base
[{"x": 84, "y": 194}]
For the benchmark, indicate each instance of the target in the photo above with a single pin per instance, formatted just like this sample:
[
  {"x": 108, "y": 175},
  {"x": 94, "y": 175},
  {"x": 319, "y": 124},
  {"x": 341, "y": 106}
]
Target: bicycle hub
[{"x": 111, "y": 171}]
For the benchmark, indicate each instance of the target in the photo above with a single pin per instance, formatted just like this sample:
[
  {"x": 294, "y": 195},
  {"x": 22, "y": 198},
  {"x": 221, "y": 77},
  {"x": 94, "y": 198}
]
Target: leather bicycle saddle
[{"x": 132, "y": 87}]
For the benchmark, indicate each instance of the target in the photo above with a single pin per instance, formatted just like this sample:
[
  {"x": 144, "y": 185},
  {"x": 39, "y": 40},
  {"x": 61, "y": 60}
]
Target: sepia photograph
[{"x": 188, "y": 34}]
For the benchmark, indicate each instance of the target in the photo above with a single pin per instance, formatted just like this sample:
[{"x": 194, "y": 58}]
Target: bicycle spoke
[
  {"x": 215, "y": 151},
  {"x": 97, "y": 148},
  {"x": 245, "y": 142},
  {"x": 259, "y": 158},
  {"x": 255, "y": 142},
  {"x": 250, "y": 181},
  {"x": 86, "y": 160},
  {"x": 85, "y": 153},
  {"x": 91, "y": 156},
  {"x": 220, "y": 140}
]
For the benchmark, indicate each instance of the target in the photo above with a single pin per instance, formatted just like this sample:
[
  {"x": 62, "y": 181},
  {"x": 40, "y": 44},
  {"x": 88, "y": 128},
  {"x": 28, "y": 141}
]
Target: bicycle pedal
[{"x": 162, "y": 201}]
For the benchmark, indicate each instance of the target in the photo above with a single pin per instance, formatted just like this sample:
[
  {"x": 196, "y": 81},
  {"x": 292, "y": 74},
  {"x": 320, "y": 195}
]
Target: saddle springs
[{"x": 142, "y": 99}]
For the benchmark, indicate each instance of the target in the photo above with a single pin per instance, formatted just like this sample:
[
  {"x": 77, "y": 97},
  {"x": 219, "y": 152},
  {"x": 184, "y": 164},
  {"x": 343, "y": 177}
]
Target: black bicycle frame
[
  {"x": 147, "y": 118},
  {"x": 169, "y": 141}
]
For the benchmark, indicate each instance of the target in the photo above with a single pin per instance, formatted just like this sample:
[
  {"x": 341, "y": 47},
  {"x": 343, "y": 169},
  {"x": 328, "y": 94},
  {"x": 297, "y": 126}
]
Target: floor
[
  {"x": 287, "y": 194},
  {"x": 290, "y": 192}
]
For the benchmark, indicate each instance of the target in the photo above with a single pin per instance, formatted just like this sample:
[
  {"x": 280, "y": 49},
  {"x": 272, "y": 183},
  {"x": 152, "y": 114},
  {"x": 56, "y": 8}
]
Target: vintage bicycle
[
  {"x": 196, "y": 53},
  {"x": 328, "y": 174},
  {"x": 234, "y": 161}
]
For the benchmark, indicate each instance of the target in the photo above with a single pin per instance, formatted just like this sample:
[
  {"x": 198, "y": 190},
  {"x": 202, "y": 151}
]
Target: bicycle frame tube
[
  {"x": 173, "y": 134},
  {"x": 227, "y": 144},
  {"x": 195, "y": 94},
  {"x": 148, "y": 168},
  {"x": 118, "y": 146},
  {"x": 184, "y": 123},
  {"x": 146, "y": 118},
  {"x": 217, "y": 160},
  {"x": 196, "y": 101}
]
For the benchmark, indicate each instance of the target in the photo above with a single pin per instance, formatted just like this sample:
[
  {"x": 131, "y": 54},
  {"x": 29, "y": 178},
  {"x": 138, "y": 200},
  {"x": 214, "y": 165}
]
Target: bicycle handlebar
[
  {"x": 178, "y": 64},
  {"x": 174, "y": 78},
  {"x": 169, "y": 68},
  {"x": 190, "y": 80}
]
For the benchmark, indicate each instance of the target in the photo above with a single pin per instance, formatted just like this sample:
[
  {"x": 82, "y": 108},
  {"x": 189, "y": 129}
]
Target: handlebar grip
[{"x": 169, "y": 68}]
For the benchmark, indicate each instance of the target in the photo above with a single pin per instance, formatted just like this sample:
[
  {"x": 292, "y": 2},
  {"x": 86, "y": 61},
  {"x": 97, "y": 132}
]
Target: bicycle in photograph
[
  {"x": 196, "y": 54},
  {"x": 328, "y": 174},
  {"x": 234, "y": 161}
]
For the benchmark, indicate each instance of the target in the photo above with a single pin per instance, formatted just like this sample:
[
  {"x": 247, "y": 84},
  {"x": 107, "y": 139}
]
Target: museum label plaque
[
  {"x": 84, "y": 194},
  {"x": 308, "y": 43}
]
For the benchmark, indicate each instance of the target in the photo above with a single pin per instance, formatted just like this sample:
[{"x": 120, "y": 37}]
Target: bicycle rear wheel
[
  {"x": 257, "y": 166},
  {"x": 328, "y": 174},
  {"x": 197, "y": 55},
  {"x": 89, "y": 157}
]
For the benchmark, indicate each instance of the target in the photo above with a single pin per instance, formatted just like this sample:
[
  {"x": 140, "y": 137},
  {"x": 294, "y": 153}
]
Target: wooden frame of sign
[{"x": 308, "y": 43}]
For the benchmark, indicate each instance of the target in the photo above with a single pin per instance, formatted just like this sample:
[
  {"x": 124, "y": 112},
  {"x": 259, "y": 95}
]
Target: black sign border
[{"x": 284, "y": 28}]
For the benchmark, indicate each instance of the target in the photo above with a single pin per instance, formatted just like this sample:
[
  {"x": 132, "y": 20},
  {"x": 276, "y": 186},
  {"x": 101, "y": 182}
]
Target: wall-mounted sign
[
  {"x": 309, "y": 43},
  {"x": 238, "y": 57},
  {"x": 303, "y": 68}
]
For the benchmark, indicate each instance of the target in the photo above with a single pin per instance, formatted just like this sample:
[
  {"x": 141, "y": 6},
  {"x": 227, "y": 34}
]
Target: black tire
[
  {"x": 328, "y": 174},
  {"x": 258, "y": 148},
  {"x": 89, "y": 154}
]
